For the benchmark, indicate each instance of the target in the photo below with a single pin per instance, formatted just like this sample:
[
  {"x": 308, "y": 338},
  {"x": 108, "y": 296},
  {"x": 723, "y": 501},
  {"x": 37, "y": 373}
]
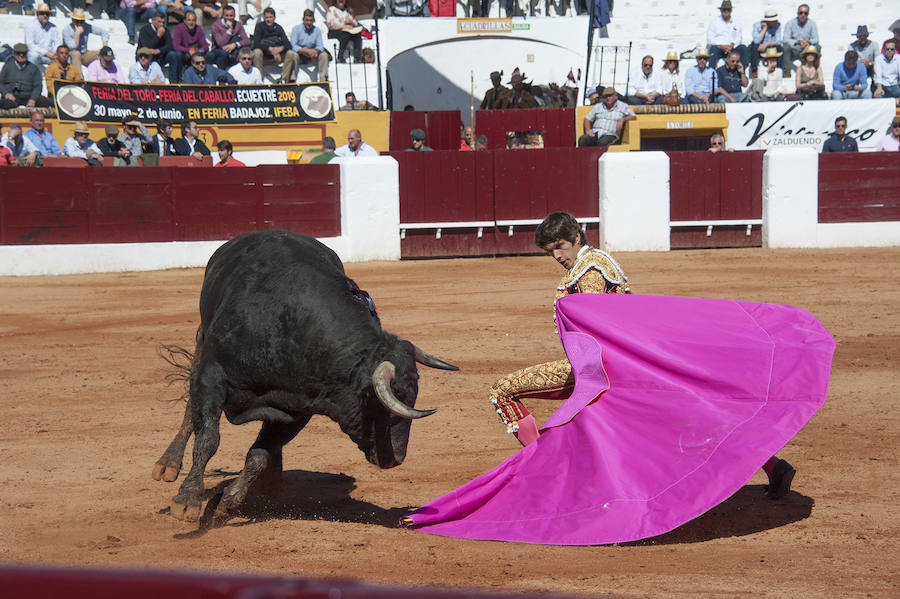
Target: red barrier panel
[
  {"x": 859, "y": 187},
  {"x": 441, "y": 129},
  {"x": 401, "y": 123},
  {"x": 706, "y": 186},
  {"x": 116, "y": 205},
  {"x": 557, "y": 124}
]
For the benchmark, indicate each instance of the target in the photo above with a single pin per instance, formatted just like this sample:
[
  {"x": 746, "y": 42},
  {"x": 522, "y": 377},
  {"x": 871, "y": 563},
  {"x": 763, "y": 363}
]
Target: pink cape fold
[{"x": 677, "y": 403}]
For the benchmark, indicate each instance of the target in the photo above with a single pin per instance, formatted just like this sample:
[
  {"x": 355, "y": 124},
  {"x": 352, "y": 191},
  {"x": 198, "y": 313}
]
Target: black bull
[{"x": 284, "y": 334}]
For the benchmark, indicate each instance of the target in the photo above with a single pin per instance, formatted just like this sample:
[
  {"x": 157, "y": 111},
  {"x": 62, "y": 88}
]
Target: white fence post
[
  {"x": 790, "y": 198},
  {"x": 634, "y": 201}
]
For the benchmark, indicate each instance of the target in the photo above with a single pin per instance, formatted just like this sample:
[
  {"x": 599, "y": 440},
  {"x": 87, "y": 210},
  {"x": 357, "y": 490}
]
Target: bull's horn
[
  {"x": 381, "y": 380},
  {"x": 429, "y": 360}
]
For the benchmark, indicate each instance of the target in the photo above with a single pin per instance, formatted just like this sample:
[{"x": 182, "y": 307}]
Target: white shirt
[
  {"x": 889, "y": 143},
  {"x": 643, "y": 84},
  {"x": 668, "y": 79},
  {"x": 364, "y": 150},
  {"x": 40, "y": 39},
  {"x": 887, "y": 73},
  {"x": 254, "y": 77},
  {"x": 720, "y": 33}
]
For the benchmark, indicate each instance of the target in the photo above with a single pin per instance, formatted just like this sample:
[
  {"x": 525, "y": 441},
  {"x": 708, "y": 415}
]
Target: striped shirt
[{"x": 603, "y": 121}]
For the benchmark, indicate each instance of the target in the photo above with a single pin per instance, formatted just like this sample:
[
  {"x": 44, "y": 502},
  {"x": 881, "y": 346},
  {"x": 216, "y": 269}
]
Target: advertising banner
[
  {"x": 765, "y": 125},
  {"x": 206, "y": 104}
]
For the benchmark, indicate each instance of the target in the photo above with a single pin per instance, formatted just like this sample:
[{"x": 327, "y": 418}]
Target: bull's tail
[{"x": 182, "y": 361}]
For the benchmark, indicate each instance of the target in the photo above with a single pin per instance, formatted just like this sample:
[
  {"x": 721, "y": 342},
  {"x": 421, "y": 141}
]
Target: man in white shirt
[
  {"x": 724, "y": 36},
  {"x": 243, "y": 71},
  {"x": 145, "y": 70},
  {"x": 42, "y": 37},
  {"x": 356, "y": 147},
  {"x": 887, "y": 72},
  {"x": 643, "y": 87}
]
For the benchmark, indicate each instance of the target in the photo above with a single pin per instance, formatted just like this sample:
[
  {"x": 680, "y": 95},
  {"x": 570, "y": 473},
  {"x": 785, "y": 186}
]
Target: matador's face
[{"x": 563, "y": 251}]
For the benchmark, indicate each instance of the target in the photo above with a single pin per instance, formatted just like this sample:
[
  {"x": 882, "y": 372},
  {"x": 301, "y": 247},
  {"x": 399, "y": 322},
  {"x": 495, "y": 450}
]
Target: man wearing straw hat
[
  {"x": 42, "y": 37},
  {"x": 700, "y": 80},
  {"x": 81, "y": 146},
  {"x": 75, "y": 36},
  {"x": 766, "y": 34}
]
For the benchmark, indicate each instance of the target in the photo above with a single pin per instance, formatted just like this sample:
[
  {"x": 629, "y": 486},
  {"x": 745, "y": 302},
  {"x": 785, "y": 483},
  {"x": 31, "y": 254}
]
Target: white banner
[{"x": 765, "y": 125}]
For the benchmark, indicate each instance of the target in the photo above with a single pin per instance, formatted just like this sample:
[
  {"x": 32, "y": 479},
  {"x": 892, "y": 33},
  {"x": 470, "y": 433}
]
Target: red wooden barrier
[
  {"x": 558, "y": 125},
  {"x": 441, "y": 129},
  {"x": 115, "y": 205},
  {"x": 859, "y": 187},
  {"x": 495, "y": 186},
  {"x": 707, "y": 186}
]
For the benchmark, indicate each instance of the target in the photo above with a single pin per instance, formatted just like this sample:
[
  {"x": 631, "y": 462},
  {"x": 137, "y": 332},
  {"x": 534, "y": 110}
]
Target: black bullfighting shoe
[{"x": 780, "y": 480}]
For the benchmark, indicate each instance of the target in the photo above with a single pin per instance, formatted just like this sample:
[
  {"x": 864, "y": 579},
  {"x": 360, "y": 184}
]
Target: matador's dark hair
[{"x": 558, "y": 225}]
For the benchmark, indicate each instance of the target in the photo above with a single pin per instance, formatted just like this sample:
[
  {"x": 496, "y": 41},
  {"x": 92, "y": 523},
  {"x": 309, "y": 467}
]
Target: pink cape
[{"x": 677, "y": 403}]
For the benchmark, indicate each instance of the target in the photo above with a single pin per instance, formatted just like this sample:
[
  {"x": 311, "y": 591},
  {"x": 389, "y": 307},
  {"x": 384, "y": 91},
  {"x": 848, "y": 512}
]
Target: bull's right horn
[
  {"x": 429, "y": 360},
  {"x": 381, "y": 380}
]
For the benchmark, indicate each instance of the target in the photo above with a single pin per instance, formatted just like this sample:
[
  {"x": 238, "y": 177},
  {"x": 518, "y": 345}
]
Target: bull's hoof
[
  {"x": 167, "y": 471},
  {"x": 186, "y": 511}
]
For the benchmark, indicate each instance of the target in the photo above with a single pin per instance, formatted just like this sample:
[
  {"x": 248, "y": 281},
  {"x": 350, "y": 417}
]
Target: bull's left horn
[
  {"x": 381, "y": 380},
  {"x": 429, "y": 360}
]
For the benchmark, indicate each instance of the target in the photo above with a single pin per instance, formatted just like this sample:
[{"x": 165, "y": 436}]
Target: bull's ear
[
  {"x": 429, "y": 360},
  {"x": 381, "y": 381}
]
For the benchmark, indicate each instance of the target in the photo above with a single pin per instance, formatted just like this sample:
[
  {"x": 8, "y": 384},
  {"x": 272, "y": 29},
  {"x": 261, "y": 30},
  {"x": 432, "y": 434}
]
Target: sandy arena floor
[{"x": 86, "y": 418}]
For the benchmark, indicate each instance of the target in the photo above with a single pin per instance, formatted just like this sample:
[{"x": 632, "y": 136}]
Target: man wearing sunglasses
[
  {"x": 891, "y": 141},
  {"x": 42, "y": 37},
  {"x": 839, "y": 141},
  {"x": 205, "y": 73},
  {"x": 799, "y": 34},
  {"x": 20, "y": 81},
  {"x": 644, "y": 87},
  {"x": 887, "y": 72},
  {"x": 134, "y": 135},
  {"x": 244, "y": 72}
]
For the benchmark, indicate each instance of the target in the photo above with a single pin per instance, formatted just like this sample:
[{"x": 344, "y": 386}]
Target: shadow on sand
[{"x": 746, "y": 512}]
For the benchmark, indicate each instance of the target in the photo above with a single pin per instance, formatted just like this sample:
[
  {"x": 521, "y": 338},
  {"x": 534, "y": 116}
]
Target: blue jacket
[
  {"x": 212, "y": 76},
  {"x": 844, "y": 77}
]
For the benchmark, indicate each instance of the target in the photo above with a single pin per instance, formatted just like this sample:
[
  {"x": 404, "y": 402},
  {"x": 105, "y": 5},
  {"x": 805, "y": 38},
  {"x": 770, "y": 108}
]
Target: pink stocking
[{"x": 528, "y": 430}]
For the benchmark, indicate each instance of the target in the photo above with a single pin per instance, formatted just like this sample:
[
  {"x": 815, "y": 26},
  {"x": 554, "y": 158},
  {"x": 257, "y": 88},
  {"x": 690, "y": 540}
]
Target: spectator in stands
[
  {"x": 894, "y": 28},
  {"x": 81, "y": 146},
  {"x": 76, "y": 35},
  {"x": 145, "y": 70},
  {"x": 225, "y": 154},
  {"x": 716, "y": 142},
  {"x": 132, "y": 11},
  {"x": 799, "y": 34},
  {"x": 343, "y": 27},
  {"x": 351, "y": 103},
  {"x": 200, "y": 72},
  {"x": 669, "y": 77},
  {"x": 418, "y": 142},
  {"x": 887, "y": 72},
  {"x": 190, "y": 143},
  {"x": 42, "y": 37},
  {"x": 105, "y": 70},
  {"x": 495, "y": 97},
  {"x": 865, "y": 48},
  {"x": 700, "y": 80},
  {"x": 210, "y": 8},
  {"x": 604, "y": 124},
  {"x": 228, "y": 37},
  {"x": 327, "y": 154},
  {"x": 113, "y": 147},
  {"x": 306, "y": 40},
  {"x": 178, "y": 7},
  {"x": 849, "y": 79},
  {"x": 768, "y": 86},
  {"x": 839, "y": 141},
  {"x": 891, "y": 141},
  {"x": 61, "y": 69},
  {"x": 20, "y": 81},
  {"x": 253, "y": 9},
  {"x": 519, "y": 97},
  {"x": 481, "y": 143},
  {"x": 42, "y": 139},
  {"x": 356, "y": 147},
  {"x": 723, "y": 36},
  {"x": 156, "y": 38},
  {"x": 766, "y": 34},
  {"x": 732, "y": 80},
  {"x": 23, "y": 151},
  {"x": 27, "y": 7},
  {"x": 810, "y": 80},
  {"x": 187, "y": 40},
  {"x": 467, "y": 143},
  {"x": 644, "y": 87},
  {"x": 271, "y": 43},
  {"x": 244, "y": 72},
  {"x": 406, "y": 8},
  {"x": 162, "y": 143},
  {"x": 134, "y": 135},
  {"x": 6, "y": 157}
]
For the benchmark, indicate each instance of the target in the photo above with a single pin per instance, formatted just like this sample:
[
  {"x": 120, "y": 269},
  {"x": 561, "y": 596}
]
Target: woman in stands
[
  {"x": 670, "y": 78},
  {"x": 342, "y": 26},
  {"x": 810, "y": 80}
]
